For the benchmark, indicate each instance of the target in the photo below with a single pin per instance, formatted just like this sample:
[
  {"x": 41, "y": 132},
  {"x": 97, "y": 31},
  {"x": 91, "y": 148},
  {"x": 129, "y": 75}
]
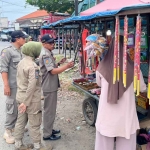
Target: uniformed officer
[
  {"x": 50, "y": 84},
  {"x": 29, "y": 96},
  {"x": 9, "y": 58}
]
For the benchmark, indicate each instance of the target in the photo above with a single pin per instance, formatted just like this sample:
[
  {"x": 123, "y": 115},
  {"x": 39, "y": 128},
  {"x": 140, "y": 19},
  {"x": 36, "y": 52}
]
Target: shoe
[
  {"x": 22, "y": 147},
  {"x": 19, "y": 145},
  {"x": 39, "y": 146},
  {"x": 52, "y": 137},
  {"x": 9, "y": 137},
  {"x": 55, "y": 131}
]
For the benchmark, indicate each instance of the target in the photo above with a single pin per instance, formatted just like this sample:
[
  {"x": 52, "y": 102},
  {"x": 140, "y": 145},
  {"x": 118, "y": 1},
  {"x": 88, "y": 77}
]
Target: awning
[
  {"x": 96, "y": 15},
  {"x": 108, "y": 5},
  {"x": 82, "y": 18}
]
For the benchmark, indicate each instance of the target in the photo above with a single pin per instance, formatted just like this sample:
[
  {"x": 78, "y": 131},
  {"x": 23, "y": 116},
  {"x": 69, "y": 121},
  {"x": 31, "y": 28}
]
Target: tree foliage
[{"x": 53, "y": 5}]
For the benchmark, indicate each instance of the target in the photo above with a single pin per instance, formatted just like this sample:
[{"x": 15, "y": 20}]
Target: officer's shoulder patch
[
  {"x": 6, "y": 49},
  {"x": 3, "y": 52},
  {"x": 47, "y": 60}
]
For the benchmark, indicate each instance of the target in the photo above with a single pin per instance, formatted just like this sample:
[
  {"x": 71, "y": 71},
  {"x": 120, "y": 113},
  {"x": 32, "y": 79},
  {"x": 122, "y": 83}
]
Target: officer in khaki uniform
[
  {"x": 9, "y": 58},
  {"x": 29, "y": 96},
  {"x": 50, "y": 84}
]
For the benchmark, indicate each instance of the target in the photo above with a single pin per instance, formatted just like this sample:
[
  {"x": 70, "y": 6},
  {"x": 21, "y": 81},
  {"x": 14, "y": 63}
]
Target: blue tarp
[{"x": 96, "y": 15}]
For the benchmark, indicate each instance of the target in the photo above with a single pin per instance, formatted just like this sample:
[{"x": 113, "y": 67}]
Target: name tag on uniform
[{"x": 37, "y": 74}]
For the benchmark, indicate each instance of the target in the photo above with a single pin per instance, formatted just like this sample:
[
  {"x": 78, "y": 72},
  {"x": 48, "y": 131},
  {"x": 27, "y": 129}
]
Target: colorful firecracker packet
[
  {"x": 125, "y": 51},
  {"x": 137, "y": 56},
  {"x": 116, "y": 52}
]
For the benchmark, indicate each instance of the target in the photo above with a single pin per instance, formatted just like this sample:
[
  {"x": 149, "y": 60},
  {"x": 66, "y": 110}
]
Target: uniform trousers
[
  {"x": 33, "y": 116},
  {"x": 107, "y": 143},
  {"x": 11, "y": 110},
  {"x": 50, "y": 104}
]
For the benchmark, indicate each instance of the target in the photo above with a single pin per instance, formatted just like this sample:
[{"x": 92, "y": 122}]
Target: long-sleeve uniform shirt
[
  {"x": 28, "y": 82},
  {"x": 9, "y": 59}
]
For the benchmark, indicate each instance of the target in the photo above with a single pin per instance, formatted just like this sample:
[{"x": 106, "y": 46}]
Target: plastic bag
[{"x": 95, "y": 46}]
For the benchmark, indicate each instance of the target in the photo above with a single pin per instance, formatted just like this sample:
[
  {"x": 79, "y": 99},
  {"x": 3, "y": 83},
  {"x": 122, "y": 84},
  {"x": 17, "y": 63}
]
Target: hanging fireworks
[
  {"x": 137, "y": 56},
  {"x": 125, "y": 51},
  {"x": 116, "y": 52}
]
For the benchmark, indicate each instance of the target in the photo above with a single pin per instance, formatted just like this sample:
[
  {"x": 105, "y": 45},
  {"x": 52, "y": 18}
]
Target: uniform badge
[
  {"x": 37, "y": 74},
  {"x": 47, "y": 61},
  {"x": 3, "y": 53}
]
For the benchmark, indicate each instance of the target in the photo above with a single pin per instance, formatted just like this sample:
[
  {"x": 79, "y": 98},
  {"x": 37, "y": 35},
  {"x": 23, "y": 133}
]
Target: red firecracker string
[
  {"x": 137, "y": 56},
  {"x": 125, "y": 51},
  {"x": 116, "y": 50}
]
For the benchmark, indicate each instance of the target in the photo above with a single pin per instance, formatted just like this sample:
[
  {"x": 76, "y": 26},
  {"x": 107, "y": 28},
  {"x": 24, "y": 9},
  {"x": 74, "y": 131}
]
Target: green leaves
[{"x": 53, "y": 5}]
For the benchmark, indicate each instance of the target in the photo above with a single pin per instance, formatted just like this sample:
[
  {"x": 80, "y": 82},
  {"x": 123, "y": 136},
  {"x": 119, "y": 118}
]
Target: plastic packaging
[{"x": 95, "y": 45}]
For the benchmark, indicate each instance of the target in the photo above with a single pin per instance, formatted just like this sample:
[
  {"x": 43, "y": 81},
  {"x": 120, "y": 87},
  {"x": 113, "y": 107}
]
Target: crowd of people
[{"x": 24, "y": 81}]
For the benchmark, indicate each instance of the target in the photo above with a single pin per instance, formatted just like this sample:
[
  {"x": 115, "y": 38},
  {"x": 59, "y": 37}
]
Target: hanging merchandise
[
  {"x": 131, "y": 53},
  {"x": 125, "y": 51},
  {"x": 92, "y": 38},
  {"x": 95, "y": 45},
  {"x": 116, "y": 52},
  {"x": 137, "y": 56},
  {"x": 144, "y": 43},
  {"x": 131, "y": 40}
]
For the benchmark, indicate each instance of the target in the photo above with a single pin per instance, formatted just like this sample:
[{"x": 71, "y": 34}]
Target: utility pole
[
  {"x": 0, "y": 19},
  {"x": 76, "y": 14},
  {"x": 76, "y": 7}
]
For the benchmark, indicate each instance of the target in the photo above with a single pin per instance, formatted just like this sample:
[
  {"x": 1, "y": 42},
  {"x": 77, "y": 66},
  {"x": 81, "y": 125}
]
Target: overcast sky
[{"x": 14, "y": 9}]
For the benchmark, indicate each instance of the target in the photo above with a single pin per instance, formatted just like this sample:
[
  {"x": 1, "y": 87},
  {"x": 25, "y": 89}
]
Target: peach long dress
[{"x": 117, "y": 120}]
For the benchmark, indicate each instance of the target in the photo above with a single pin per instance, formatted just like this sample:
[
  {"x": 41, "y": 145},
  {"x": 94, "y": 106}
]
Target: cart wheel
[{"x": 89, "y": 111}]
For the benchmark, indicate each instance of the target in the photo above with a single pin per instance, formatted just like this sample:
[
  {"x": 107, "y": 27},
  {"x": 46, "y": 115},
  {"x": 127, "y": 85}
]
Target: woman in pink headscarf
[{"x": 117, "y": 117}]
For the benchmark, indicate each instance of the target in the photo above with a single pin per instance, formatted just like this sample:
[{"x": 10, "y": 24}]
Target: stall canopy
[
  {"x": 109, "y": 5},
  {"x": 107, "y": 13},
  {"x": 82, "y": 18}
]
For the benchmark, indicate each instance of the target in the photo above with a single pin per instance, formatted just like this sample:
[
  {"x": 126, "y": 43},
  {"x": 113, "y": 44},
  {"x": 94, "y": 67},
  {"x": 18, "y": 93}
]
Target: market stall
[
  {"x": 104, "y": 23},
  {"x": 135, "y": 22}
]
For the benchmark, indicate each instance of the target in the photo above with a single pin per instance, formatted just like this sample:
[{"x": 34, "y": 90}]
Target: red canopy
[{"x": 108, "y": 5}]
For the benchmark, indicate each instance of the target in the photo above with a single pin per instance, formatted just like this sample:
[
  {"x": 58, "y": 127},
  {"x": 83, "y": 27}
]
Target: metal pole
[
  {"x": 76, "y": 14},
  {"x": 62, "y": 40},
  {"x": 59, "y": 40},
  {"x": 76, "y": 7}
]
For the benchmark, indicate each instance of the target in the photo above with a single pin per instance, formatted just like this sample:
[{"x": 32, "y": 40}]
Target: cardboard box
[{"x": 143, "y": 101}]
